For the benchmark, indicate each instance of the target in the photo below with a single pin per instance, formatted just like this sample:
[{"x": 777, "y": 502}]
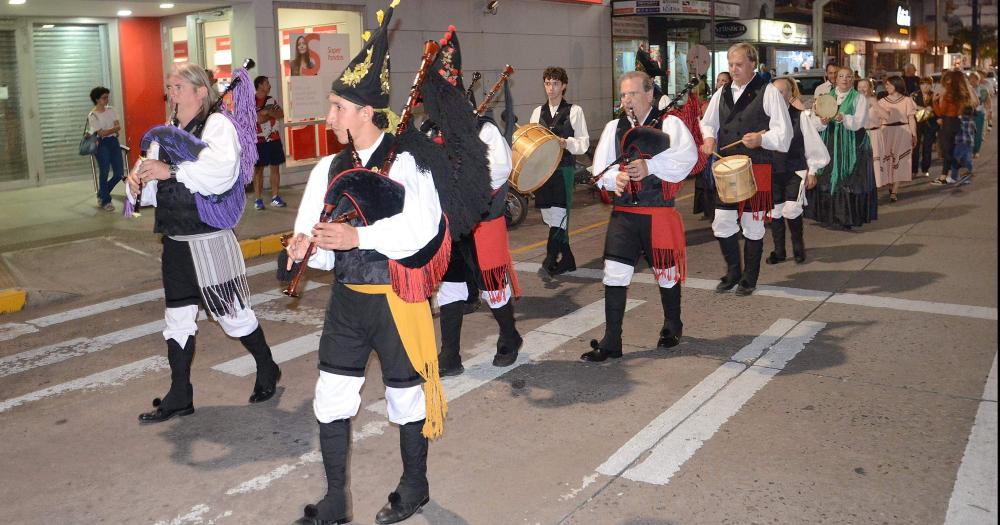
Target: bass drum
[{"x": 536, "y": 154}]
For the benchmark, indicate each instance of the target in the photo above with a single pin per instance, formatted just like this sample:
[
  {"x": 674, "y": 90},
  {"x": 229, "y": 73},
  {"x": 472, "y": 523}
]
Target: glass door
[{"x": 13, "y": 155}]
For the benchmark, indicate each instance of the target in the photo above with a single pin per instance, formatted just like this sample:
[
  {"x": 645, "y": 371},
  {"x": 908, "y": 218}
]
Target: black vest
[
  {"x": 359, "y": 266},
  {"x": 561, "y": 126},
  {"x": 737, "y": 118},
  {"x": 651, "y": 187},
  {"x": 176, "y": 211},
  {"x": 795, "y": 159}
]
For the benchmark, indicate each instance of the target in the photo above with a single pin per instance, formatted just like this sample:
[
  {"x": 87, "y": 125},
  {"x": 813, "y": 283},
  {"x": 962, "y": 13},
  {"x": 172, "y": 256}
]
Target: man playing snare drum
[
  {"x": 555, "y": 197},
  {"x": 644, "y": 221},
  {"x": 752, "y": 113}
]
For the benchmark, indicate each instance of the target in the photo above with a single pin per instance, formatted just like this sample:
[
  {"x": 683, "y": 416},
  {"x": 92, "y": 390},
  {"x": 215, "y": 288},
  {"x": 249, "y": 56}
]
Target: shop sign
[
  {"x": 673, "y": 7},
  {"x": 902, "y": 16},
  {"x": 777, "y": 32},
  {"x": 632, "y": 27},
  {"x": 730, "y": 30}
]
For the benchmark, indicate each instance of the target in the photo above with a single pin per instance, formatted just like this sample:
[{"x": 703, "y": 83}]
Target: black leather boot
[
  {"x": 673, "y": 328},
  {"x": 752, "y": 252},
  {"x": 450, "y": 360},
  {"x": 731, "y": 253},
  {"x": 798, "y": 243},
  {"x": 510, "y": 341},
  {"x": 567, "y": 263},
  {"x": 268, "y": 373},
  {"x": 778, "y": 233},
  {"x": 413, "y": 490},
  {"x": 334, "y": 444},
  {"x": 614, "y": 314},
  {"x": 551, "y": 251},
  {"x": 179, "y": 400}
]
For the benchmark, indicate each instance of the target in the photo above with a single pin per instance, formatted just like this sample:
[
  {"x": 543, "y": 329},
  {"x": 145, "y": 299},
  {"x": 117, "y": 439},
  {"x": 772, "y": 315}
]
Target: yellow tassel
[
  {"x": 366, "y": 35},
  {"x": 379, "y": 15},
  {"x": 394, "y": 3}
]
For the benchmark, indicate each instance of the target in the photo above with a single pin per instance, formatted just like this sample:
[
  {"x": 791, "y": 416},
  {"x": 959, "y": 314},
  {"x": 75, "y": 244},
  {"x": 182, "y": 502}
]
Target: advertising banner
[{"x": 315, "y": 60}]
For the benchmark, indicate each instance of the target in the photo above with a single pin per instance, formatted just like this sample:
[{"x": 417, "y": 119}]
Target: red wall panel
[{"x": 142, "y": 80}]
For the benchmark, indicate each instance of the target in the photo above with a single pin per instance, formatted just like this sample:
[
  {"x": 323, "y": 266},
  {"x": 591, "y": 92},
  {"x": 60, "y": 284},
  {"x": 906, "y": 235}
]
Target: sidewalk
[{"x": 55, "y": 243}]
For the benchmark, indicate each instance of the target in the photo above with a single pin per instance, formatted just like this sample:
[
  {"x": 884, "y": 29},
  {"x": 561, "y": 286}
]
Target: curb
[
  {"x": 12, "y": 300},
  {"x": 265, "y": 245},
  {"x": 15, "y": 299}
]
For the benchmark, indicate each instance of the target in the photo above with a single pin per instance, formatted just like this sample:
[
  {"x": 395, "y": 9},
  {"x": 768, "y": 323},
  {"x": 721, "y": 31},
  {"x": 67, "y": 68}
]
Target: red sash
[
  {"x": 761, "y": 204},
  {"x": 493, "y": 254},
  {"x": 667, "y": 237}
]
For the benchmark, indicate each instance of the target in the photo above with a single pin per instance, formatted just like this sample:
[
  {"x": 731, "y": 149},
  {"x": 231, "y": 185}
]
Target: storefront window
[
  {"x": 788, "y": 62},
  {"x": 315, "y": 45},
  {"x": 217, "y": 44},
  {"x": 624, "y": 61},
  {"x": 678, "y": 74}
]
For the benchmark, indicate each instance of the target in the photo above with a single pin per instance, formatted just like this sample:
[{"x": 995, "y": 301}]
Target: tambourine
[{"x": 825, "y": 107}]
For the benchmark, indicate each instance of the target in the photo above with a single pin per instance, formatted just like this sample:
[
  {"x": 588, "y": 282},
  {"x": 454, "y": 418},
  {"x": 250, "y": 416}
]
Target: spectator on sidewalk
[
  {"x": 927, "y": 128},
  {"x": 270, "y": 151},
  {"x": 103, "y": 121},
  {"x": 964, "y": 141},
  {"x": 981, "y": 93},
  {"x": 911, "y": 79},
  {"x": 948, "y": 106}
]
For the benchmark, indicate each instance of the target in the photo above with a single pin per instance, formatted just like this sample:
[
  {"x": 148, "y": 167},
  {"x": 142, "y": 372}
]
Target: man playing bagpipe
[
  {"x": 484, "y": 257},
  {"x": 387, "y": 259},
  {"x": 645, "y": 160},
  {"x": 194, "y": 171}
]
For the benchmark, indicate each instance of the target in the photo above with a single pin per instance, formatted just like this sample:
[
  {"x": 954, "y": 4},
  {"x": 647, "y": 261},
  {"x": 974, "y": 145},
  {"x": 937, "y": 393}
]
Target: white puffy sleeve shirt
[
  {"x": 580, "y": 141},
  {"x": 498, "y": 153},
  {"x": 672, "y": 165}
]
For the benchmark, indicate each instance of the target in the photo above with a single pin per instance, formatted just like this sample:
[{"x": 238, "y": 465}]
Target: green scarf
[{"x": 841, "y": 142}]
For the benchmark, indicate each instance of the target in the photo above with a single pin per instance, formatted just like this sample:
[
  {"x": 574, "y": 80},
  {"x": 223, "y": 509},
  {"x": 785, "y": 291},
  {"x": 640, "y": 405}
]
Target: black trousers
[{"x": 926, "y": 135}]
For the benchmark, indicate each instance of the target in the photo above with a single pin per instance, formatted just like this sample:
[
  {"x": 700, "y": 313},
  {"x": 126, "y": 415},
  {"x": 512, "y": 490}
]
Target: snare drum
[
  {"x": 734, "y": 178},
  {"x": 825, "y": 106},
  {"x": 535, "y": 154}
]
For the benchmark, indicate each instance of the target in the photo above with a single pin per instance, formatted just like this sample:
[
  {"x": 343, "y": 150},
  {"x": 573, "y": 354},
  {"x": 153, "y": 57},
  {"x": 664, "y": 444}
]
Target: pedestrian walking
[
  {"x": 899, "y": 136},
  {"x": 103, "y": 122}
]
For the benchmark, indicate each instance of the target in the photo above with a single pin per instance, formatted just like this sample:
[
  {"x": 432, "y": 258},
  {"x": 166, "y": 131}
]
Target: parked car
[{"x": 808, "y": 81}]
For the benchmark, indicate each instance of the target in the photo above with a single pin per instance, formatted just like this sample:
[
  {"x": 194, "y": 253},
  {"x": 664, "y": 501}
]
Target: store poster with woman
[{"x": 314, "y": 61}]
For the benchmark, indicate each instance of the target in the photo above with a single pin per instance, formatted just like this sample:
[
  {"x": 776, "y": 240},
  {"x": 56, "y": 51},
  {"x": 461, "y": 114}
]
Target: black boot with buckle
[
  {"x": 450, "y": 360},
  {"x": 731, "y": 253},
  {"x": 413, "y": 491},
  {"x": 334, "y": 444},
  {"x": 179, "y": 400},
  {"x": 752, "y": 252},
  {"x": 778, "y": 232},
  {"x": 673, "y": 328},
  {"x": 614, "y": 315},
  {"x": 268, "y": 373},
  {"x": 798, "y": 243},
  {"x": 510, "y": 341}
]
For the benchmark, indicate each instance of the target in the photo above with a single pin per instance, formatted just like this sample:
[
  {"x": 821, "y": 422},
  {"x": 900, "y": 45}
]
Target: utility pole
[
  {"x": 817, "y": 32},
  {"x": 975, "y": 32},
  {"x": 711, "y": 53}
]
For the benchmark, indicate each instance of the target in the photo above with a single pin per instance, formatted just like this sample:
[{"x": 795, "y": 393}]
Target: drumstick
[{"x": 727, "y": 146}]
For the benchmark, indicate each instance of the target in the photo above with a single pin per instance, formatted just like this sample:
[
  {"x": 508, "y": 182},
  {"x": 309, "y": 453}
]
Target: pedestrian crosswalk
[{"x": 653, "y": 455}]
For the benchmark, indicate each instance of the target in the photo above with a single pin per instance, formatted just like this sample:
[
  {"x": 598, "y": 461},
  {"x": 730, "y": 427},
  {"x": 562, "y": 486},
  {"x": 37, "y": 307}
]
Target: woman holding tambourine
[{"x": 845, "y": 190}]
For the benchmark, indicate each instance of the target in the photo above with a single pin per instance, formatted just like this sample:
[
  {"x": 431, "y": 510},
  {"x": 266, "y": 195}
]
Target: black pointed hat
[
  {"x": 365, "y": 81},
  {"x": 448, "y": 63},
  {"x": 645, "y": 63}
]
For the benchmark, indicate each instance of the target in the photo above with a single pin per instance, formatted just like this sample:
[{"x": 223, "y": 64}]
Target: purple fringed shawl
[{"x": 225, "y": 210}]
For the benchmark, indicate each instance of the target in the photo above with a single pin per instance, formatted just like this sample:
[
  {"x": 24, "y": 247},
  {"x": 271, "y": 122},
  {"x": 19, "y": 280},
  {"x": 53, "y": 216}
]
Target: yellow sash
[{"x": 416, "y": 330}]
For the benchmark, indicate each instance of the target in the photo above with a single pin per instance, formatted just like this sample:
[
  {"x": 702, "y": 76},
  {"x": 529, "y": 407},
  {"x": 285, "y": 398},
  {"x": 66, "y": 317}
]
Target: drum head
[
  {"x": 825, "y": 106},
  {"x": 532, "y": 171}
]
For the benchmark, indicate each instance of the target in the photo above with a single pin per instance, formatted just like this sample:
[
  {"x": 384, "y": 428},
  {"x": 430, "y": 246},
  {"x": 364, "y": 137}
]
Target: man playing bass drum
[
  {"x": 555, "y": 197},
  {"x": 645, "y": 223}
]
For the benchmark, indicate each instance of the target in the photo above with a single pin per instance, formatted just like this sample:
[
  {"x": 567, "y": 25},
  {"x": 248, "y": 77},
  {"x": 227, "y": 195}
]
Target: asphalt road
[{"x": 859, "y": 387}]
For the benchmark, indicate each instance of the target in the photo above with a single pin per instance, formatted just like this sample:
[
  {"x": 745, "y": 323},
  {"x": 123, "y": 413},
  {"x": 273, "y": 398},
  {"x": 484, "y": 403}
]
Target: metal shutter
[
  {"x": 69, "y": 62},
  {"x": 13, "y": 157}
]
